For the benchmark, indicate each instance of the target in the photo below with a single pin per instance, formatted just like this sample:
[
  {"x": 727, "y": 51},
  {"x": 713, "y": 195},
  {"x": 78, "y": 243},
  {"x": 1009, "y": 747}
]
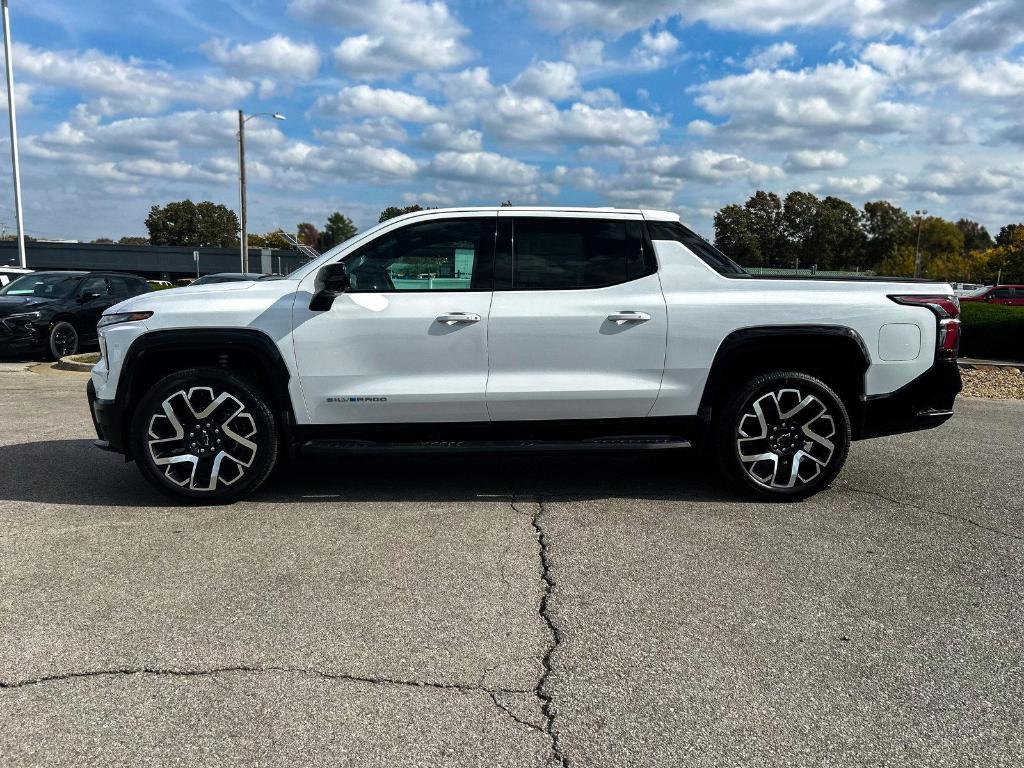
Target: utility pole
[
  {"x": 241, "y": 194},
  {"x": 13, "y": 121},
  {"x": 917, "y": 251}
]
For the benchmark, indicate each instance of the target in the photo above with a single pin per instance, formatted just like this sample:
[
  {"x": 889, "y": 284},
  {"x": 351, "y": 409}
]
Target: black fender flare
[
  {"x": 750, "y": 337},
  {"x": 274, "y": 378}
]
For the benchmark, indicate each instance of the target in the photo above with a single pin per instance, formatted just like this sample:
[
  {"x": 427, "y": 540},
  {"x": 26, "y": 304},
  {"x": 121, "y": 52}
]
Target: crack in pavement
[
  {"x": 541, "y": 691},
  {"x": 909, "y": 505},
  {"x": 514, "y": 716},
  {"x": 213, "y": 671}
]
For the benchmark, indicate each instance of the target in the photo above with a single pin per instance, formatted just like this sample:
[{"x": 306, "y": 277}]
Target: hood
[
  {"x": 154, "y": 299},
  {"x": 13, "y": 305}
]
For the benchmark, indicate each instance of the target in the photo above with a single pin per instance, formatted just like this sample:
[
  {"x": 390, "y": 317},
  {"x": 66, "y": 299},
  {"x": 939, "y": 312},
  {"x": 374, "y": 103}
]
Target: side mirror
[{"x": 331, "y": 281}]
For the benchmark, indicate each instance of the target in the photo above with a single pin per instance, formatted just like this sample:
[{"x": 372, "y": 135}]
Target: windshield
[{"x": 44, "y": 286}]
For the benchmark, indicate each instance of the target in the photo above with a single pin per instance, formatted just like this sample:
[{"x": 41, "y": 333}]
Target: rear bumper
[
  {"x": 924, "y": 403},
  {"x": 106, "y": 419}
]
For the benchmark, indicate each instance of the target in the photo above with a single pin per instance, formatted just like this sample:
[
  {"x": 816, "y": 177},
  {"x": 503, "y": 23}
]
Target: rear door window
[{"x": 566, "y": 254}]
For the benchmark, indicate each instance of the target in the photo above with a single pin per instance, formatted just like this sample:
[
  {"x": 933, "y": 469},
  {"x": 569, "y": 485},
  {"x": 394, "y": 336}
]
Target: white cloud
[
  {"x": 863, "y": 17},
  {"x": 445, "y": 136},
  {"x": 555, "y": 80},
  {"x": 400, "y": 35},
  {"x": 119, "y": 85},
  {"x": 707, "y": 166},
  {"x": 483, "y": 168},
  {"x": 771, "y": 57},
  {"x": 364, "y": 100},
  {"x": 654, "y": 51},
  {"x": 537, "y": 121},
  {"x": 816, "y": 159},
  {"x": 277, "y": 55},
  {"x": 826, "y": 100}
]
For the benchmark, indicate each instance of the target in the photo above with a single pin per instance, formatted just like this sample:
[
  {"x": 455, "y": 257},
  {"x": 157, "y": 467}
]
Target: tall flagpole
[{"x": 13, "y": 120}]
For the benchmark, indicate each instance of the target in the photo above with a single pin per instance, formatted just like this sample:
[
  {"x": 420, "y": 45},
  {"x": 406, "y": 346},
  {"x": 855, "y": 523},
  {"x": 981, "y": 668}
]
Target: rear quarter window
[{"x": 705, "y": 251}]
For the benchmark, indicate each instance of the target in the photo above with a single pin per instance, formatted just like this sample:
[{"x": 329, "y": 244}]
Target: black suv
[{"x": 57, "y": 312}]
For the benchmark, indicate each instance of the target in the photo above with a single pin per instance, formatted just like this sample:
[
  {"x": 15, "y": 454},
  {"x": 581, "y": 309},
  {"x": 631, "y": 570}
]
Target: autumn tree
[{"x": 308, "y": 234}]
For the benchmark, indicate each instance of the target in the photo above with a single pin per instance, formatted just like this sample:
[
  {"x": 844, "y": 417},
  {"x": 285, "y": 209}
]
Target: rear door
[
  {"x": 408, "y": 341},
  {"x": 578, "y": 320}
]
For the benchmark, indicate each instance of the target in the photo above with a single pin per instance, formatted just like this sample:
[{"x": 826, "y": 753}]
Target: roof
[{"x": 651, "y": 214}]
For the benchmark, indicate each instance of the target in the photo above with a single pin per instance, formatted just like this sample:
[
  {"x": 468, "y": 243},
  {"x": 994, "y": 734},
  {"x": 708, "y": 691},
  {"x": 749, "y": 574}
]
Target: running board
[{"x": 632, "y": 443}]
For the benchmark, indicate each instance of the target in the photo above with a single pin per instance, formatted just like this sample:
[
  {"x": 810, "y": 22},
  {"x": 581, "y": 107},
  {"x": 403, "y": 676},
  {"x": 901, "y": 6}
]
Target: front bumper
[
  {"x": 18, "y": 336},
  {"x": 924, "y": 403},
  {"x": 106, "y": 418}
]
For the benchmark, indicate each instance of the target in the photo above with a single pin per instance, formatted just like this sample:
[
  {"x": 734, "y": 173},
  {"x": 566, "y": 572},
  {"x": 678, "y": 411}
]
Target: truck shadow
[{"x": 73, "y": 472}]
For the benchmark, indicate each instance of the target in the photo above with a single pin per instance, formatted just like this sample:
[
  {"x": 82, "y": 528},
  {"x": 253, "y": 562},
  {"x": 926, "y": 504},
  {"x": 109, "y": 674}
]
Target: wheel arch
[
  {"x": 247, "y": 352},
  {"x": 835, "y": 354}
]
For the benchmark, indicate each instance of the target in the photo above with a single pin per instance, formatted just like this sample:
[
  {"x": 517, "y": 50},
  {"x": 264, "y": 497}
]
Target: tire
[
  {"x": 205, "y": 435},
  {"x": 63, "y": 340},
  {"x": 782, "y": 436}
]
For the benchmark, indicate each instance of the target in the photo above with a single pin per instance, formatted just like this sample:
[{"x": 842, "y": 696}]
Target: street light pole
[
  {"x": 917, "y": 251},
  {"x": 13, "y": 120},
  {"x": 242, "y": 212}
]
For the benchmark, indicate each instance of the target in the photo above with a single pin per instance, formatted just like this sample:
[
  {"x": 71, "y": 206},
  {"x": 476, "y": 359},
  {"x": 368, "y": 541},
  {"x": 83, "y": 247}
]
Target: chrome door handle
[
  {"x": 619, "y": 318},
  {"x": 451, "y": 318}
]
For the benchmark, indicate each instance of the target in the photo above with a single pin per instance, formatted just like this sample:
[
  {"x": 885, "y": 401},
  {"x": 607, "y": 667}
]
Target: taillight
[{"x": 947, "y": 312}]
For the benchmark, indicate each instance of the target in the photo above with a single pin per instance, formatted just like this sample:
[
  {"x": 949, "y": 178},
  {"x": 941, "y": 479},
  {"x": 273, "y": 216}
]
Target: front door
[
  {"x": 578, "y": 320},
  {"x": 94, "y": 297},
  {"x": 408, "y": 342}
]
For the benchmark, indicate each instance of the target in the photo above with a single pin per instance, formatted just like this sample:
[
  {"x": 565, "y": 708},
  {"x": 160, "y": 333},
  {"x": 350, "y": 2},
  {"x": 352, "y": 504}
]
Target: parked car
[
  {"x": 227, "y": 277},
  {"x": 9, "y": 274},
  {"x": 998, "y": 294},
  {"x": 57, "y": 312},
  {"x": 601, "y": 330}
]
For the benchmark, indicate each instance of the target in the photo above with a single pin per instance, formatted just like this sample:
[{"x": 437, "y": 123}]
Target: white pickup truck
[{"x": 521, "y": 329}]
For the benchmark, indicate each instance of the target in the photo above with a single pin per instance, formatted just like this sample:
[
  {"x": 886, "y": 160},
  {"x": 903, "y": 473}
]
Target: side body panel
[{"x": 705, "y": 307}]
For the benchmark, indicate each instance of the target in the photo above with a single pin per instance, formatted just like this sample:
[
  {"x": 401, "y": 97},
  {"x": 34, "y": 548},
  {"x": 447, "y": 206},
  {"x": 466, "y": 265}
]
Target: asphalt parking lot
[{"x": 583, "y": 611}]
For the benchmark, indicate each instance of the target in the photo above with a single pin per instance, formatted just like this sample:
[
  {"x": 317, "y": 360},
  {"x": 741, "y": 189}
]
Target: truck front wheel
[
  {"x": 782, "y": 435},
  {"x": 204, "y": 434}
]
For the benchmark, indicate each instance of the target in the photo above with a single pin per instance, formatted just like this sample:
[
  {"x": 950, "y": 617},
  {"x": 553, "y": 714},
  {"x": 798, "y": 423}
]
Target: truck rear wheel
[
  {"x": 782, "y": 435},
  {"x": 204, "y": 434}
]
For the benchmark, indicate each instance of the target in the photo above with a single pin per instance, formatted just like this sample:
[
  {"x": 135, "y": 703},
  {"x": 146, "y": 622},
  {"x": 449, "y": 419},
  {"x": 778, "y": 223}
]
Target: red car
[{"x": 999, "y": 294}]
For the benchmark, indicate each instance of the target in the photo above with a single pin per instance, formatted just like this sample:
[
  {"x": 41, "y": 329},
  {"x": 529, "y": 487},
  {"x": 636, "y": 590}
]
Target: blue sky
[{"x": 679, "y": 104}]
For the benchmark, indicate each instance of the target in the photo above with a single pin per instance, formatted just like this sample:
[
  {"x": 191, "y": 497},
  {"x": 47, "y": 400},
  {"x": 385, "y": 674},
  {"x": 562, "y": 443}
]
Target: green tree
[
  {"x": 840, "y": 235},
  {"x": 207, "y": 224},
  {"x": 887, "y": 227},
  {"x": 800, "y": 214},
  {"x": 1007, "y": 233},
  {"x": 392, "y": 211},
  {"x": 338, "y": 229},
  {"x": 976, "y": 237},
  {"x": 133, "y": 240},
  {"x": 102, "y": 241},
  {"x": 735, "y": 237},
  {"x": 765, "y": 211}
]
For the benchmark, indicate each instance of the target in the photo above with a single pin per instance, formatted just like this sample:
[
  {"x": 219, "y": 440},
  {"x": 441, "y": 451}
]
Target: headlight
[
  {"x": 25, "y": 316},
  {"x": 122, "y": 317}
]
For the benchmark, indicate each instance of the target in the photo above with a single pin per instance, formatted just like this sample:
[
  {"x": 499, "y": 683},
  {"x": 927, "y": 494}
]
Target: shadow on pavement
[{"x": 75, "y": 472}]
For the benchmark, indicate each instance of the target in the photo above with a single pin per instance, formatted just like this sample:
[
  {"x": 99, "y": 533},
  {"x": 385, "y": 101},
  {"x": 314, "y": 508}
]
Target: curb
[
  {"x": 71, "y": 364},
  {"x": 988, "y": 365}
]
